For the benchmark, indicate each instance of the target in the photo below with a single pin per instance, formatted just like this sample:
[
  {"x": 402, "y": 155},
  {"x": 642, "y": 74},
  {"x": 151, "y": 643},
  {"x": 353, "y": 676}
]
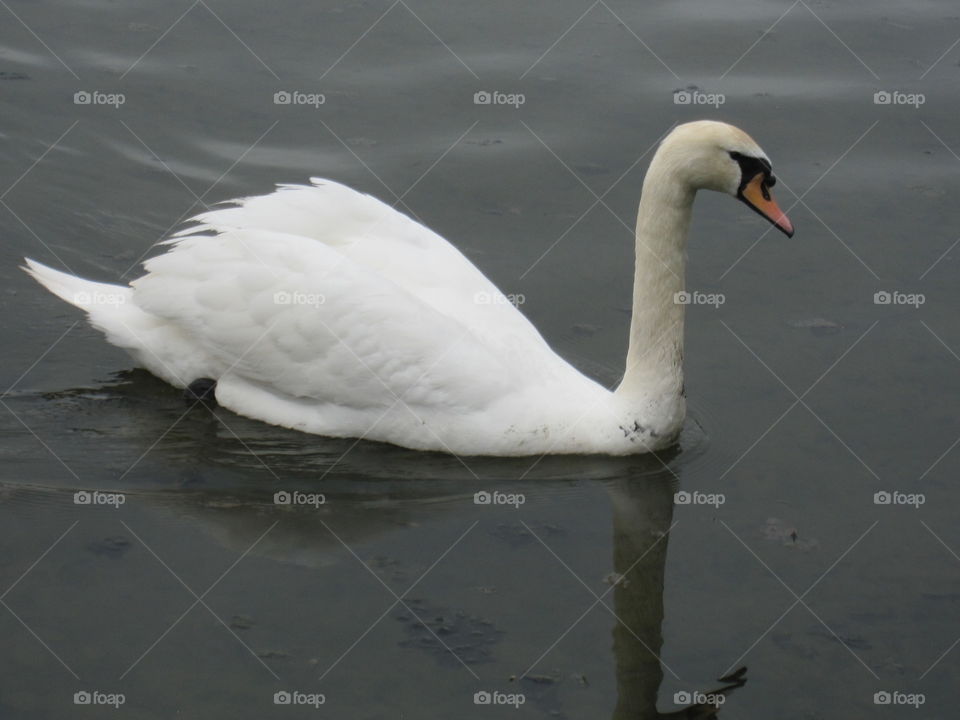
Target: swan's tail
[
  {"x": 85, "y": 294},
  {"x": 109, "y": 307},
  {"x": 154, "y": 343}
]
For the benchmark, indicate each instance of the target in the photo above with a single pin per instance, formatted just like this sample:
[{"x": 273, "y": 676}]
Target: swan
[{"x": 324, "y": 310}]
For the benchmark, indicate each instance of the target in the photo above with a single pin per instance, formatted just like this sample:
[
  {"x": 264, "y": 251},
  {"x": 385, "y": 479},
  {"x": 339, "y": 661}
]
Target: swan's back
[{"x": 374, "y": 235}]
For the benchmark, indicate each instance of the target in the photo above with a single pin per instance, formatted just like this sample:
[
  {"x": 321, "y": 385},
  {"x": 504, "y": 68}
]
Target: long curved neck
[{"x": 654, "y": 371}]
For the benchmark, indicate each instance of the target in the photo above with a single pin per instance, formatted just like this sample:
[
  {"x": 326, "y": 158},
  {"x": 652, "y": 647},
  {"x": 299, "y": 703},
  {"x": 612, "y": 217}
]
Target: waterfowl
[{"x": 322, "y": 309}]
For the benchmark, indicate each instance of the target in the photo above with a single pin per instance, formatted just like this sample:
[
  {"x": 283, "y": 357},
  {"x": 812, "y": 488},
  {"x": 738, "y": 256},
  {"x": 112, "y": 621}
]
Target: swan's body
[{"x": 321, "y": 309}]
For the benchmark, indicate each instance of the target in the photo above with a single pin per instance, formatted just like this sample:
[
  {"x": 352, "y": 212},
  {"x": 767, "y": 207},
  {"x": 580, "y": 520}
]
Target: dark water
[{"x": 199, "y": 597}]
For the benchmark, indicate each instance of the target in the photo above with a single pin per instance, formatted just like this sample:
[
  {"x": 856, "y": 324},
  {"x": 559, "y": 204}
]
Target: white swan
[{"x": 322, "y": 309}]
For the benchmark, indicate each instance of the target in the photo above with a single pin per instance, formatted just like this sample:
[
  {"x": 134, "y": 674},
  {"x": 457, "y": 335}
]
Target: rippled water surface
[{"x": 401, "y": 597}]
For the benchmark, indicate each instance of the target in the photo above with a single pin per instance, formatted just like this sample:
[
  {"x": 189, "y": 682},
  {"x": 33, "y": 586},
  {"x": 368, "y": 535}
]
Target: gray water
[{"x": 400, "y": 597}]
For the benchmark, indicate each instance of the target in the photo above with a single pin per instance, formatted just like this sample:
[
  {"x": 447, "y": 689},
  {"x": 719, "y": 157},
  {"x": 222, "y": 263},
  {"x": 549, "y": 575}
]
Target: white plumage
[{"x": 322, "y": 309}]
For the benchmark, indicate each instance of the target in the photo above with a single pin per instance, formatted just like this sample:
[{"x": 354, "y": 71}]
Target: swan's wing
[
  {"x": 379, "y": 238},
  {"x": 291, "y": 314}
]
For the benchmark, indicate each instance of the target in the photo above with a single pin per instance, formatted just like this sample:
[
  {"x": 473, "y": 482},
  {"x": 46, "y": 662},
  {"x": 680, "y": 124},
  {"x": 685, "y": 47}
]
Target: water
[{"x": 199, "y": 597}]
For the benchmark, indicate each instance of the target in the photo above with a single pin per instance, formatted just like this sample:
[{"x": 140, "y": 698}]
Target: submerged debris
[
  {"x": 543, "y": 679},
  {"x": 273, "y": 654},
  {"x": 443, "y": 632},
  {"x": 777, "y": 530},
  {"x": 113, "y": 546},
  {"x": 818, "y": 326},
  {"x": 241, "y": 622}
]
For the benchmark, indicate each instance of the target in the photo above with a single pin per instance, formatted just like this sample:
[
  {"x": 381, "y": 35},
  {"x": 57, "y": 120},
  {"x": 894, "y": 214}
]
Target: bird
[{"x": 324, "y": 310}]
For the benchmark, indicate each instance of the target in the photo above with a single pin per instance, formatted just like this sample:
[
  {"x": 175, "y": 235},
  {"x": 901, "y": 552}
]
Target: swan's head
[{"x": 712, "y": 155}]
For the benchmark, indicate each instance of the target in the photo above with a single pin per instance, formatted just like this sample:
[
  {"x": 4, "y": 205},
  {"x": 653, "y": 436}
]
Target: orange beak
[{"x": 756, "y": 194}]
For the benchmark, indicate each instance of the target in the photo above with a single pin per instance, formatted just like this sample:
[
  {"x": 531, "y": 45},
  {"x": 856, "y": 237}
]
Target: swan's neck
[{"x": 653, "y": 380}]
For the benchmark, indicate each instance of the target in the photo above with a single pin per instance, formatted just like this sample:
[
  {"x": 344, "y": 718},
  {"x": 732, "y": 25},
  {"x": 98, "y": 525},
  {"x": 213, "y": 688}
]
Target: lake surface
[{"x": 400, "y": 596}]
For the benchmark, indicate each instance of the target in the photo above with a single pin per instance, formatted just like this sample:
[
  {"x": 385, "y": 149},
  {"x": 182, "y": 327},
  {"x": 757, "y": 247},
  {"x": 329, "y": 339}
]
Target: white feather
[{"x": 322, "y": 309}]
